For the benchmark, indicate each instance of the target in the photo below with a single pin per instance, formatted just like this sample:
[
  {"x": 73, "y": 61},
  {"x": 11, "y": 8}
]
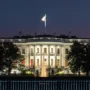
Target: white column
[
  {"x": 63, "y": 56},
  {"x": 27, "y": 57},
  {"x": 48, "y": 55},
  {"x": 55, "y": 55},
  {"x": 40, "y": 56},
  {"x": 30, "y": 55},
  {"x": 34, "y": 56}
]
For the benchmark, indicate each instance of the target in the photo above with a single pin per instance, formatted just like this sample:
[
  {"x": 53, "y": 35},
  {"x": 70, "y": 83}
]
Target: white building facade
[{"x": 49, "y": 49}]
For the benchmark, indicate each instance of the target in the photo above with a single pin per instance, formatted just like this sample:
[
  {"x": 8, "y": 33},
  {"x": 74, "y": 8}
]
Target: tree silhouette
[
  {"x": 79, "y": 57},
  {"x": 86, "y": 59},
  {"x": 9, "y": 54},
  {"x": 75, "y": 57}
]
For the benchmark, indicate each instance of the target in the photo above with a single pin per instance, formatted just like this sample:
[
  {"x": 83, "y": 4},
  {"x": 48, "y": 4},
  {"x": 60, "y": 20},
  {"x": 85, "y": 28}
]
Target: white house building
[{"x": 52, "y": 50}]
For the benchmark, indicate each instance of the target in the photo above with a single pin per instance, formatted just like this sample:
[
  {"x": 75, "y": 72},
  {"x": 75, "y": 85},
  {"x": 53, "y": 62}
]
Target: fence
[{"x": 53, "y": 83}]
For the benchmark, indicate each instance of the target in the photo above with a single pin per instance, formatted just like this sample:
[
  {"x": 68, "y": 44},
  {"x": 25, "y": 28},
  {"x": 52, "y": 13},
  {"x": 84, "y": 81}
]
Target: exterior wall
[
  {"x": 31, "y": 59},
  {"x": 35, "y": 58},
  {"x": 50, "y": 56}
]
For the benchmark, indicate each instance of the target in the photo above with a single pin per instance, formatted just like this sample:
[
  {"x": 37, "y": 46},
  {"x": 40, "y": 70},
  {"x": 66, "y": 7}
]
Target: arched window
[
  {"x": 23, "y": 51},
  {"x": 58, "y": 51},
  {"x": 66, "y": 63},
  {"x": 38, "y": 50},
  {"x": 31, "y": 62},
  {"x": 66, "y": 51},
  {"x": 51, "y": 50},
  {"x": 45, "y": 50}
]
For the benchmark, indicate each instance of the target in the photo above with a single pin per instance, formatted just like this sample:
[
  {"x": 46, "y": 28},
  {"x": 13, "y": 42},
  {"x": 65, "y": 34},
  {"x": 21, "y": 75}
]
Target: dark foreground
[{"x": 49, "y": 83}]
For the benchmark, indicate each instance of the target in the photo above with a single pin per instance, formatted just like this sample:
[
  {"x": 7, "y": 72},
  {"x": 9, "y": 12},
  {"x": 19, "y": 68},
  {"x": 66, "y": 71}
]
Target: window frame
[
  {"x": 51, "y": 50},
  {"x": 66, "y": 50},
  {"x": 22, "y": 51},
  {"x": 58, "y": 51},
  {"x": 37, "y": 50},
  {"x": 45, "y": 50}
]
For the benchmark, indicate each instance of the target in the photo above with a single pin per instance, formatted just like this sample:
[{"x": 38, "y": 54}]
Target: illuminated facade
[{"x": 52, "y": 50}]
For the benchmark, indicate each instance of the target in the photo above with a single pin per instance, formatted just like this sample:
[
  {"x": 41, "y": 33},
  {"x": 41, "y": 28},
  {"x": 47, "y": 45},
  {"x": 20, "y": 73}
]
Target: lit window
[
  {"x": 45, "y": 50},
  {"x": 66, "y": 63},
  {"x": 66, "y": 51},
  {"x": 23, "y": 62},
  {"x": 23, "y": 51},
  {"x": 31, "y": 62}
]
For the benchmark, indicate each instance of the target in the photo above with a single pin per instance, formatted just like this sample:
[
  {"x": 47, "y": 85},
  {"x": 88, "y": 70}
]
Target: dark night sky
[{"x": 62, "y": 16}]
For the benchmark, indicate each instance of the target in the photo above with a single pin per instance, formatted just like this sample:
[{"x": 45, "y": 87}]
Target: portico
[{"x": 54, "y": 55}]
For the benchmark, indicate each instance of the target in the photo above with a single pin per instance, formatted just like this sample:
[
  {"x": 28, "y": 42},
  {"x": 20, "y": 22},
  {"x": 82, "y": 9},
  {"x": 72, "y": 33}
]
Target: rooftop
[{"x": 45, "y": 38}]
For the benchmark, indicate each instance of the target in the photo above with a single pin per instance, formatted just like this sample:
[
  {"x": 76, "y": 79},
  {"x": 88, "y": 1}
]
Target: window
[
  {"x": 51, "y": 50},
  {"x": 31, "y": 49},
  {"x": 45, "y": 50},
  {"x": 23, "y": 51},
  {"x": 58, "y": 51},
  {"x": 31, "y": 63},
  {"x": 66, "y": 51},
  {"x": 23, "y": 62},
  {"x": 37, "y": 50},
  {"x": 45, "y": 60},
  {"x": 66, "y": 63}
]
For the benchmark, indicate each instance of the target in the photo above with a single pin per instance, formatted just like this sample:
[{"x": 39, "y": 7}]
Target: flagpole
[{"x": 45, "y": 23}]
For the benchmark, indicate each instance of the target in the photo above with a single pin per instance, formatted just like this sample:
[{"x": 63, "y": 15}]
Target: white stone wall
[{"x": 49, "y": 56}]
